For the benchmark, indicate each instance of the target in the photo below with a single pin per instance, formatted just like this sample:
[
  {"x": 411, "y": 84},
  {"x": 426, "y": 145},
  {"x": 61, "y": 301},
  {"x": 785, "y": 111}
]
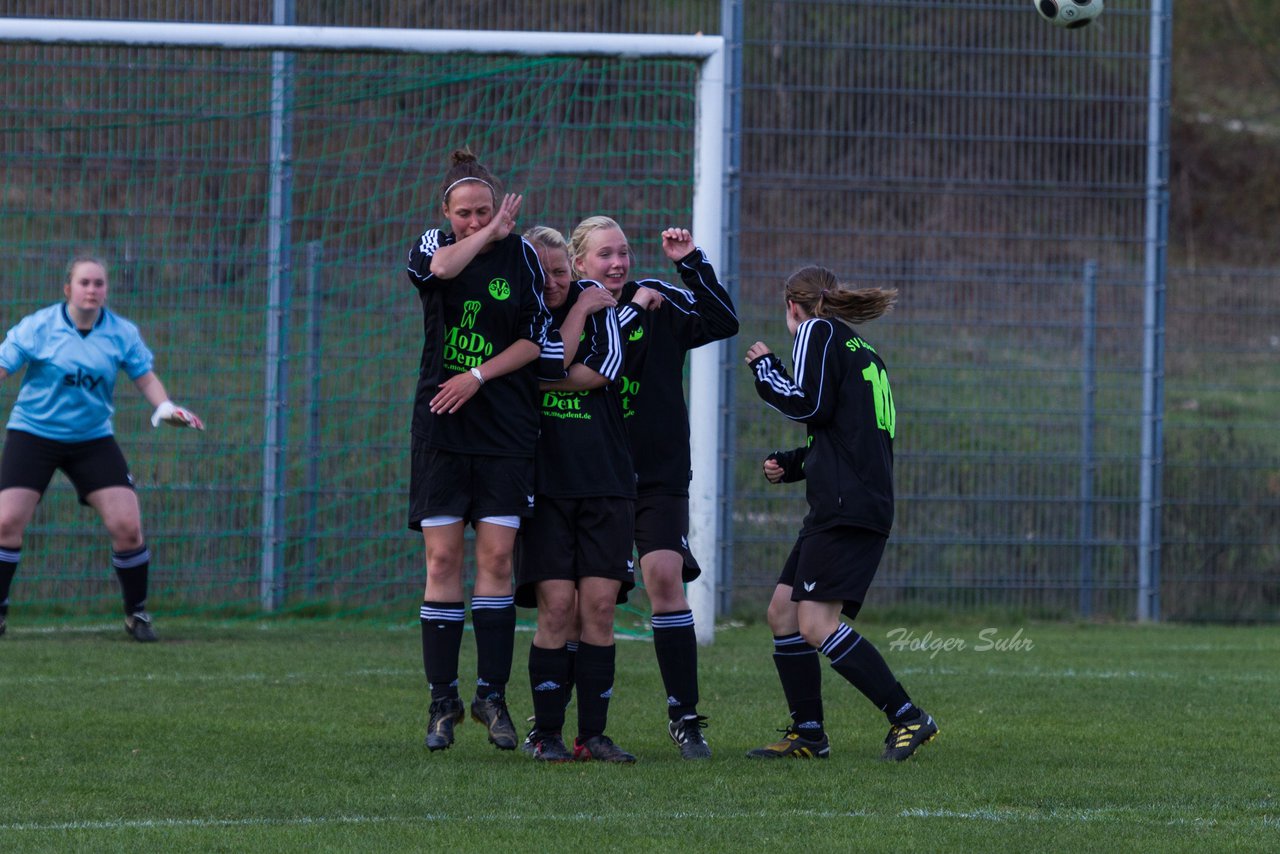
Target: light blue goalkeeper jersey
[{"x": 67, "y": 391}]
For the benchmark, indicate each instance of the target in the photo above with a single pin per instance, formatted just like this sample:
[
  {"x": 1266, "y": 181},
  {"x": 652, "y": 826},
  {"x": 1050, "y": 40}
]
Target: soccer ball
[{"x": 1070, "y": 14}]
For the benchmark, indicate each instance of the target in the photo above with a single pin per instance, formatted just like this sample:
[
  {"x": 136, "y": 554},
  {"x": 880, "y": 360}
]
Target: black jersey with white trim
[
  {"x": 495, "y": 301},
  {"x": 582, "y": 449},
  {"x": 652, "y": 385},
  {"x": 841, "y": 393}
]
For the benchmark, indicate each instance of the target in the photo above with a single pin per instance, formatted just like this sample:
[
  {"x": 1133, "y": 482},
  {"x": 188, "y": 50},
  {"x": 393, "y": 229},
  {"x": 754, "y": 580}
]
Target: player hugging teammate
[
  {"x": 575, "y": 557},
  {"x": 475, "y": 425}
]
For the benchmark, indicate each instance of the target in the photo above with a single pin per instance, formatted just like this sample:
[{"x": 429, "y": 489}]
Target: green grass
[{"x": 307, "y": 735}]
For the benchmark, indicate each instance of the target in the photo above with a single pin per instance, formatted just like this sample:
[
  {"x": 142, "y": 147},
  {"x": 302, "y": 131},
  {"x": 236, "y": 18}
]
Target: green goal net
[{"x": 160, "y": 160}]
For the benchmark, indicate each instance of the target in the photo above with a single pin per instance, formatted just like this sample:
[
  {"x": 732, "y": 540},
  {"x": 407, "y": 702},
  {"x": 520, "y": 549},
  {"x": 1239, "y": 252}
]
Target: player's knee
[
  {"x": 556, "y": 618},
  {"x": 817, "y": 628},
  {"x": 813, "y": 634},
  {"x": 597, "y": 617},
  {"x": 444, "y": 567},
  {"x": 781, "y": 618},
  {"x": 11, "y": 530},
  {"x": 664, "y": 584},
  {"x": 125, "y": 536},
  {"x": 494, "y": 561}
]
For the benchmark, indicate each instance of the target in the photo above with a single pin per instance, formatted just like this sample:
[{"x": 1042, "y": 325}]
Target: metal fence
[{"x": 993, "y": 169}]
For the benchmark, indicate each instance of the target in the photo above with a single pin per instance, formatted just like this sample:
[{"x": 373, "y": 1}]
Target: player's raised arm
[
  {"x": 811, "y": 396},
  {"x": 468, "y": 205},
  {"x": 710, "y": 314}
]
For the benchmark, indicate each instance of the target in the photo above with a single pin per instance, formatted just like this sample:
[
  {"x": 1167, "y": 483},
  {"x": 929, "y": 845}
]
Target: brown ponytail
[{"x": 818, "y": 292}]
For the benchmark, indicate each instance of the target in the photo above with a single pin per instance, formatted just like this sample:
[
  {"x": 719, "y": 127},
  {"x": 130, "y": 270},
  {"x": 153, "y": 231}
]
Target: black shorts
[
  {"x": 29, "y": 461},
  {"x": 662, "y": 524},
  {"x": 834, "y": 565},
  {"x": 572, "y": 538},
  {"x": 469, "y": 486}
]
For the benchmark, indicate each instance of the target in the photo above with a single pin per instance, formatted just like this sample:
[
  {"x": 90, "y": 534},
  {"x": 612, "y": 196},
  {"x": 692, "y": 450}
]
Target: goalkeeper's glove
[{"x": 175, "y": 415}]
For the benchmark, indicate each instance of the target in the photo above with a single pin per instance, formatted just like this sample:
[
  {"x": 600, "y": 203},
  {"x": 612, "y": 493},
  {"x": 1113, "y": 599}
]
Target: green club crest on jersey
[
  {"x": 635, "y": 334},
  {"x": 499, "y": 289}
]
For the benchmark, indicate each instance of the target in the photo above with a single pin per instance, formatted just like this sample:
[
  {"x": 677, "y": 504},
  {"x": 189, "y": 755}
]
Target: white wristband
[{"x": 475, "y": 372}]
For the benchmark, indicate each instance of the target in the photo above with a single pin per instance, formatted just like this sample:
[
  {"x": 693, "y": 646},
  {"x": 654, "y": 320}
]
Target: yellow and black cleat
[
  {"x": 794, "y": 746},
  {"x": 905, "y": 738}
]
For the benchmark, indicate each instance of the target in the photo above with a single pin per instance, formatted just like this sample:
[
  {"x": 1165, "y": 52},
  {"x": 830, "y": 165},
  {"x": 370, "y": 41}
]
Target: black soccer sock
[
  {"x": 549, "y": 678},
  {"x": 595, "y": 669},
  {"x": 856, "y": 659},
  {"x": 570, "y": 647},
  {"x": 676, "y": 644},
  {"x": 800, "y": 673},
  {"x": 8, "y": 566},
  {"x": 132, "y": 569},
  {"x": 441, "y": 641},
  {"x": 494, "y": 621}
]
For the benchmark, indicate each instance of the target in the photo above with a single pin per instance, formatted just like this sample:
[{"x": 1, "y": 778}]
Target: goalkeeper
[{"x": 61, "y": 419}]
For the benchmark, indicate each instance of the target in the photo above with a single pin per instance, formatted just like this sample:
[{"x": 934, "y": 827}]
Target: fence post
[
  {"x": 279, "y": 275},
  {"x": 1088, "y": 464},
  {"x": 1153, "y": 314},
  {"x": 732, "y": 27},
  {"x": 315, "y": 256}
]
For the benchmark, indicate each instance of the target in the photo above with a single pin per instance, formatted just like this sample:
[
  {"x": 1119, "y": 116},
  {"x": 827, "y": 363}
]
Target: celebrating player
[
  {"x": 553, "y": 253},
  {"x": 575, "y": 561},
  {"x": 61, "y": 419},
  {"x": 657, "y": 420},
  {"x": 475, "y": 424},
  {"x": 841, "y": 392}
]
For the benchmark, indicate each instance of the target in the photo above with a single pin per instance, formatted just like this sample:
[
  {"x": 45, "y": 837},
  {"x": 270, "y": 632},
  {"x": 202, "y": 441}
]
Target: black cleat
[
  {"x": 687, "y": 734},
  {"x": 443, "y": 715},
  {"x": 905, "y": 738},
  {"x": 794, "y": 746},
  {"x": 492, "y": 712},
  {"x": 3, "y": 625},
  {"x": 600, "y": 748},
  {"x": 546, "y": 747},
  {"x": 138, "y": 626}
]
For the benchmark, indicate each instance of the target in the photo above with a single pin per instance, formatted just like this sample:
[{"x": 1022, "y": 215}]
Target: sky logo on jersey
[
  {"x": 85, "y": 381},
  {"x": 499, "y": 289}
]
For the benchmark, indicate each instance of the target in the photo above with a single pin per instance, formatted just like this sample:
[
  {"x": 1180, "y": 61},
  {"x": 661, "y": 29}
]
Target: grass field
[{"x": 307, "y": 735}]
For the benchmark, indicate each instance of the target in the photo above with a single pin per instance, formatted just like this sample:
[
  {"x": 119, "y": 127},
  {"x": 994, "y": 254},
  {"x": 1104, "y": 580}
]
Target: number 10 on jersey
[{"x": 886, "y": 415}]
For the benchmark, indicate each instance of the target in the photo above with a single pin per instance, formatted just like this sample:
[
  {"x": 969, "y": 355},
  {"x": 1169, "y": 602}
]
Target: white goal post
[{"x": 708, "y": 183}]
